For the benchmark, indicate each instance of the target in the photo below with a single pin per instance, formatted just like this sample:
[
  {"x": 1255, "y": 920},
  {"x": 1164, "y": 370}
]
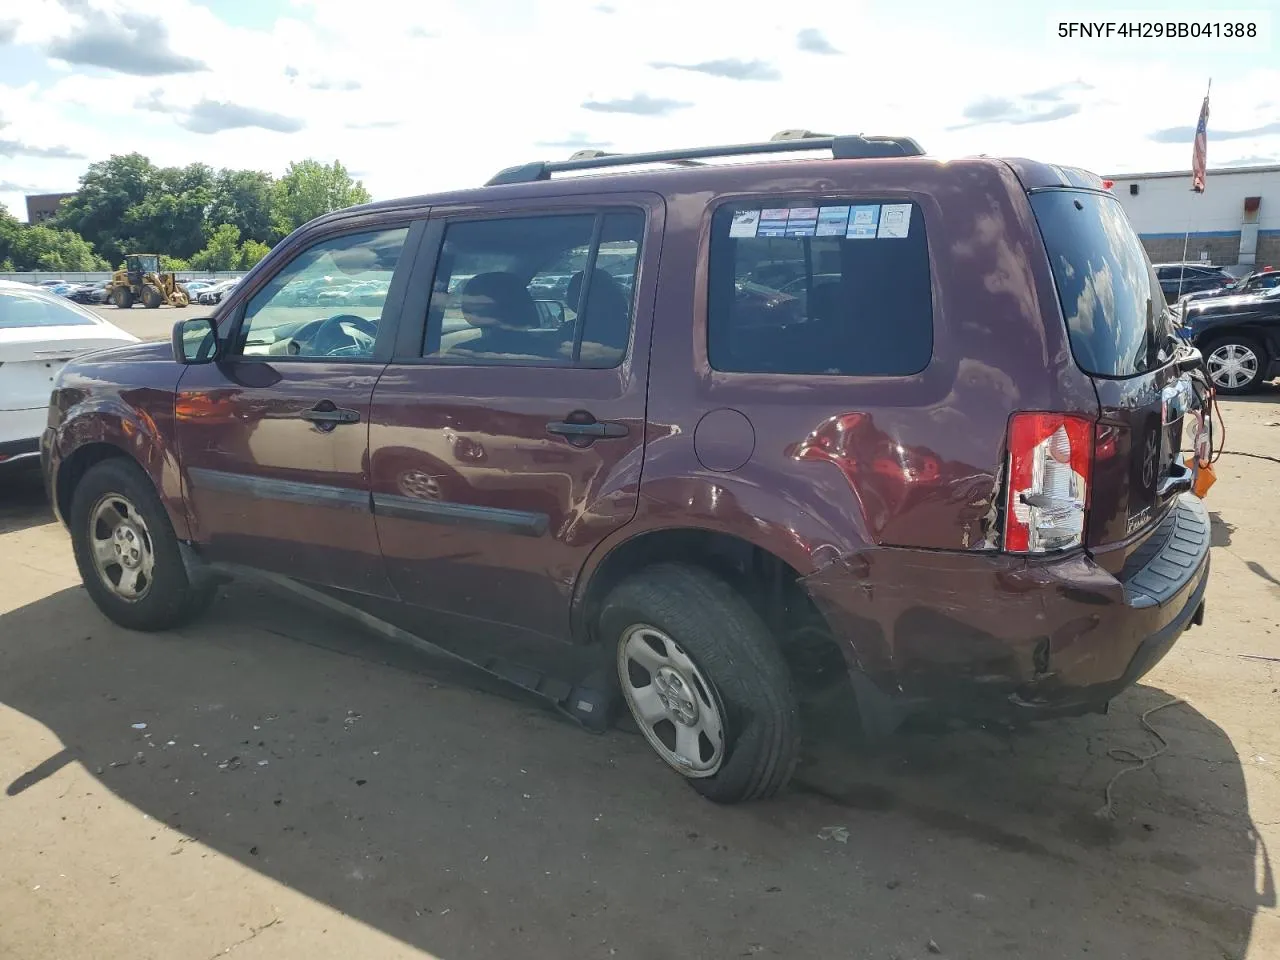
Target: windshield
[{"x": 1115, "y": 310}]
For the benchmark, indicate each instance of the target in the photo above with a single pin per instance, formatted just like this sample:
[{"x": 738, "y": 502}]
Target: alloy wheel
[{"x": 1233, "y": 365}]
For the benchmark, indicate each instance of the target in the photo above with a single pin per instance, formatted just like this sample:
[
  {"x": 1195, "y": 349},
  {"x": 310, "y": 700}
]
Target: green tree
[
  {"x": 47, "y": 248},
  {"x": 310, "y": 189},
  {"x": 10, "y": 227},
  {"x": 251, "y": 251},
  {"x": 170, "y": 219},
  {"x": 108, "y": 190},
  {"x": 170, "y": 264},
  {"x": 243, "y": 199},
  {"x": 222, "y": 252}
]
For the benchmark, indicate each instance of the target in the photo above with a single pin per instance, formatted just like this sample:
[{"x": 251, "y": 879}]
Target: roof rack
[{"x": 787, "y": 141}]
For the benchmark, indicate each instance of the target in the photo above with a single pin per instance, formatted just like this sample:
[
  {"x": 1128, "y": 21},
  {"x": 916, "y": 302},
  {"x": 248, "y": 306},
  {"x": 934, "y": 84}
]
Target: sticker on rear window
[
  {"x": 863, "y": 222},
  {"x": 832, "y": 221},
  {"x": 744, "y": 223},
  {"x": 803, "y": 222},
  {"x": 895, "y": 220},
  {"x": 773, "y": 222}
]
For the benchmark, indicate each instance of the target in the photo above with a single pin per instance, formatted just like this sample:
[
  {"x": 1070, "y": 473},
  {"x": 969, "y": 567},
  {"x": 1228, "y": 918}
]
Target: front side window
[
  {"x": 540, "y": 291},
  {"x": 20, "y": 310},
  {"x": 327, "y": 302},
  {"x": 831, "y": 287}
]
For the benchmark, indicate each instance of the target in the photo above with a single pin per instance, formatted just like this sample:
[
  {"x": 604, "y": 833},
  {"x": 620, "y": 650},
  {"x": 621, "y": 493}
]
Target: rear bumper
[{"x": 999, "y": 637}]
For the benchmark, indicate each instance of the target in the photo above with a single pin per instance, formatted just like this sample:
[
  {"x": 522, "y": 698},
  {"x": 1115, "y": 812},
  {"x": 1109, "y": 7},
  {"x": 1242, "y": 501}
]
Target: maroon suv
[{"x": 698, "y": 438}]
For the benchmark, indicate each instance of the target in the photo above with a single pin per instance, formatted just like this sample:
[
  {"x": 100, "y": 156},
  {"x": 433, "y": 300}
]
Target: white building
[{"x": 1234, "y": 223}]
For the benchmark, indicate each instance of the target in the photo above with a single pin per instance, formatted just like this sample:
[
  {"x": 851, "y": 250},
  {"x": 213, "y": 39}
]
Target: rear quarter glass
[
  {"x": 1111, "y": 298},
  {"x": 858, "y": 297}
]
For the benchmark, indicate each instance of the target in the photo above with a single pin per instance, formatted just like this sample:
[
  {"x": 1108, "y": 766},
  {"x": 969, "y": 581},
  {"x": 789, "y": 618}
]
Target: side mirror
[{"x": 195, "y": 341}]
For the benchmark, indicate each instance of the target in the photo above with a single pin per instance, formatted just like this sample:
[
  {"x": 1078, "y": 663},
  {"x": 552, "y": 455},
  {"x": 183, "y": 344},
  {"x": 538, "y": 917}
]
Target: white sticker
[
  {"x": 863, "y": 222},
  {"x": 773, "y": 222},
  {"x": 895, "y": 220},
  {"x": 802, "y": 222},
  {"x": 744, "y": 223},
  {"x": 832, "y": 221}
]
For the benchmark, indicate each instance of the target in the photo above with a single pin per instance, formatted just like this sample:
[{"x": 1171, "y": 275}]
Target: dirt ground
[{"x": 303, "y": 790}]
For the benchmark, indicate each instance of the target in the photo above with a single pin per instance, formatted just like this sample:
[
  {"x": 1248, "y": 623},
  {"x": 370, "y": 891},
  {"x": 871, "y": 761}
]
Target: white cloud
[{"x": 461, "y": 88}]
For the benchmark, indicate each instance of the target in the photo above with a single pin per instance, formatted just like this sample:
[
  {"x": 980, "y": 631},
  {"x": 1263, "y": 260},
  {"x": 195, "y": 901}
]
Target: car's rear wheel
[
  {"x": 127, "y": 552},
  {"x": 1235, "y": 364},
  {"x": 704, "y": 681},
  {"x": 122, "y": 297}
]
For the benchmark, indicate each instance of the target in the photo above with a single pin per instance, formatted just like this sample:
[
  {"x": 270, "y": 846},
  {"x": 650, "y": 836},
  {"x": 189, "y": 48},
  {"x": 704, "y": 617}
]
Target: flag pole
[{"x": 1186, "y": 237}]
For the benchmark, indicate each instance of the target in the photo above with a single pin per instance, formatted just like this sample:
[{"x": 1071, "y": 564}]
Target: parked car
[
  {"x": 93, "y": 292},
  {"x": 39, "y": 332},
  {"x": 1179, "y": 279},
  {"x": 1239, "y": 337},
  {"x": 212, "y": 295},
  {"x": 195, "y": 287},
  {"x": 706, "y": 502},
  {"x": 1250, "y": 283}
]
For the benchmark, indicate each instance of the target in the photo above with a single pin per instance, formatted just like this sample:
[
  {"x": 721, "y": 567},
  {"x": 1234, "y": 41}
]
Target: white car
[
  {"x": 215, "y": 293},
  {"x": 39, "y": 332}
]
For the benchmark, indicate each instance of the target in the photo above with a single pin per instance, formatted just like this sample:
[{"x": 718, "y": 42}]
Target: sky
[{"x": 415, "y": 96}]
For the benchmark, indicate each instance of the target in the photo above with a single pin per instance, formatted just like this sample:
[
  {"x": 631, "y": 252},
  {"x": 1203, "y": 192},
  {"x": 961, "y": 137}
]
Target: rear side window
[
  {"x": 1111, "y": 298},
  {"x": 18, "y": 310},
  {"x": 828, "y": 287},
  {"x": 554, "y": 290}
]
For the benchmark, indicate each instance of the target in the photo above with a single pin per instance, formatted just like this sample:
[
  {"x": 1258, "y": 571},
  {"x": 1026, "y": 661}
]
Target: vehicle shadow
[
  {"x": 1220, "y": 530},
  {"x": 369, "y": 778},
  {"x": 22, "y": 500}
]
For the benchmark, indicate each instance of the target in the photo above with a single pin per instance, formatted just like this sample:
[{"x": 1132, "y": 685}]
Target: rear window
[
  {"x": 1111, "y": 298},
  {"x": 22, "y": 310},
  {"x": 822, "y": 287}
]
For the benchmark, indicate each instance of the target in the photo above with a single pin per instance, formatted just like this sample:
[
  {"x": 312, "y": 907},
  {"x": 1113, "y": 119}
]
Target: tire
[
  {"x": 726, "y": 664},
  {"x": 151, "y": 297},
  {"x": 122, "y": 297},
  {"x": 165, "y": 596},
  {"x": 1242, "y": 350}
]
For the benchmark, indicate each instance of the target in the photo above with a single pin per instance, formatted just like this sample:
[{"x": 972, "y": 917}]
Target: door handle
[
  {"x": 326, "y": 413},
  {"x": 597, "y": 428}
]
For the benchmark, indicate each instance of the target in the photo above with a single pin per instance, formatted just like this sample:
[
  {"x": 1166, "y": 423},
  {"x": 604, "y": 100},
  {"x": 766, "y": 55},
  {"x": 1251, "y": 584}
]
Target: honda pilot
[{"x": 858, "y": 420}]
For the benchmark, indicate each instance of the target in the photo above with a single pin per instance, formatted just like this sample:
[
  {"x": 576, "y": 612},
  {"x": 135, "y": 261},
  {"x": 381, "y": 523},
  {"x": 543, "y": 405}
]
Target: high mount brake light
[{"x": 1049, "y": 474}]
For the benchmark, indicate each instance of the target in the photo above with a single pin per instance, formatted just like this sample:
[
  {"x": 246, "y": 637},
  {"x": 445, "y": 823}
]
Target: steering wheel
[{"x": 344, "y": 335}]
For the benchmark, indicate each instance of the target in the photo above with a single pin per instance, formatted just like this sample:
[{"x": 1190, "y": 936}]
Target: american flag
[{"x": 1200, "y": 152}]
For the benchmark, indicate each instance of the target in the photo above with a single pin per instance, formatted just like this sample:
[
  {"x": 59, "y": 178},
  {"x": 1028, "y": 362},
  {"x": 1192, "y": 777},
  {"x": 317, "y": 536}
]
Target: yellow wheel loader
[{"x": 141, "y": 281}]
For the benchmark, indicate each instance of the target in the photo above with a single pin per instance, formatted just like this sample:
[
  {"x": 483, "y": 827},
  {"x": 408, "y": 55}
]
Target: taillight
[{"x": 1050, "y": 468}]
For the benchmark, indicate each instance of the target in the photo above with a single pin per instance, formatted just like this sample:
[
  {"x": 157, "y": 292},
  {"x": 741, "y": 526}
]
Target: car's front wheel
[
  {"x": 127, "y": 552},
  {"x": 704, "y": 681},
  {"x": 1235, "y": 364}
]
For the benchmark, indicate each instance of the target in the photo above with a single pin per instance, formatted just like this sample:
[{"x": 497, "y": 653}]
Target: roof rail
[{"x": 786, "y": 141}]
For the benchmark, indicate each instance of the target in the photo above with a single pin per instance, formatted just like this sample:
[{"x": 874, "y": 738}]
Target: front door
[
  {"x": 273, "y": 438},
  {"x": 507, "y": 440}
]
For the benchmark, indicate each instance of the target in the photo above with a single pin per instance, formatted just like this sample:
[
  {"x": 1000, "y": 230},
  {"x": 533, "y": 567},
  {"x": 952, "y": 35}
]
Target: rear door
[
  {"x": 502, "y": 449},
  {"x": 1122, "y": 336}
]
